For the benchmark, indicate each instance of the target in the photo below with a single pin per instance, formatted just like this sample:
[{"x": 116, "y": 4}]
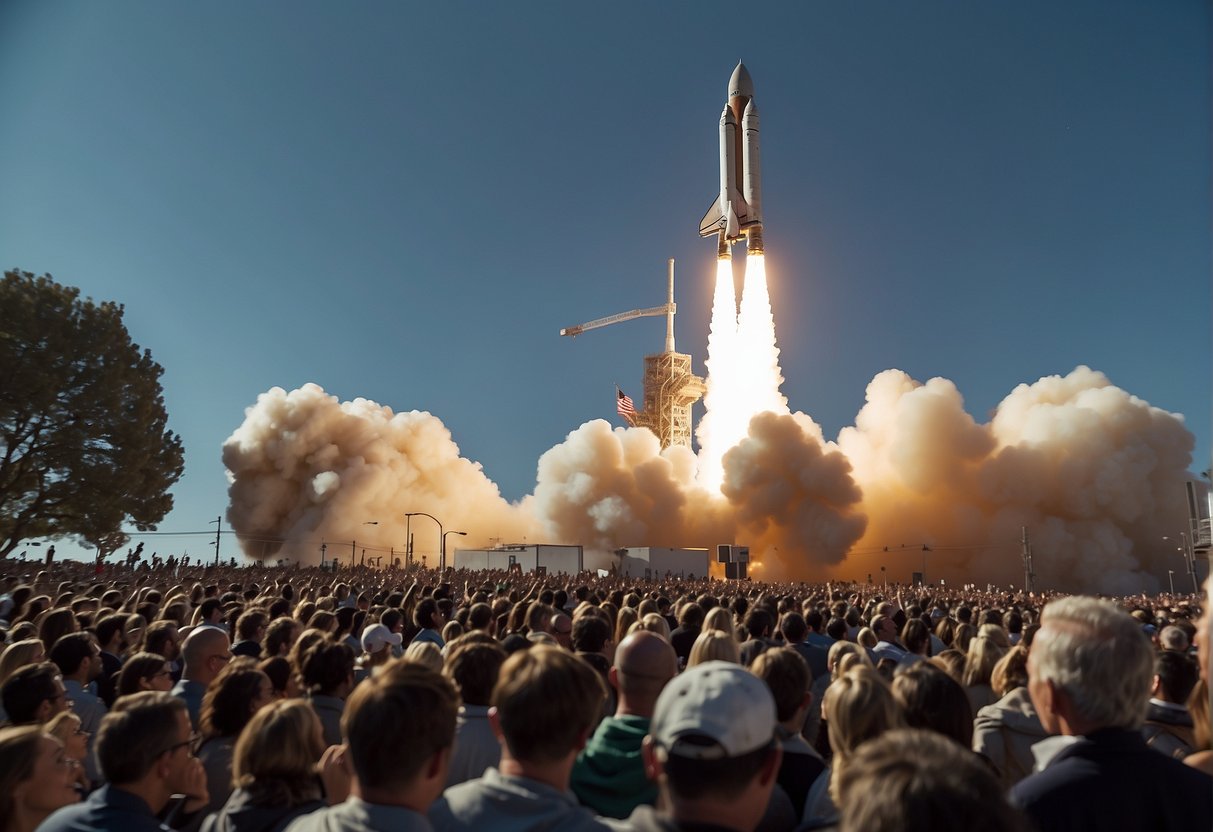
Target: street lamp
[
  {"x": 354, "y": 544},
  {"x": 1171, "y": 578},
  {"x": 441, "y": 536},
  {"x": 444, "y": 534}
]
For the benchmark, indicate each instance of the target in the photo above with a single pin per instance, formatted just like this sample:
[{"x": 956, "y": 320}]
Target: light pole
[
  {"x": 441, "y": 536},
  {"x": 354, "y": 544},
  {"x": 218, "y": 521},
  {"x": 444, "y": 534},
  {"x": 1171, "y": 578},
  {"x": 323, "y": 548}
]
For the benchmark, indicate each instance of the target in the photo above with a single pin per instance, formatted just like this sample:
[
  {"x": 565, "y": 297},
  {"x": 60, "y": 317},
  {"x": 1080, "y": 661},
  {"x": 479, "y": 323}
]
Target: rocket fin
[{"x": 712, "y": 221}]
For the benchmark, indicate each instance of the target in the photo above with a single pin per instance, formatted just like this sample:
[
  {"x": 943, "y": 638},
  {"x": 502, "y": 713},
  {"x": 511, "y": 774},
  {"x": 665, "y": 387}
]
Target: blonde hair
[
  {"x": 983, "y": 655},
  {"x": 836, "y": 659},
  {"x": 858, "y": 706},
  {"x": 276, "y": 752},
  {"x": 654, "y": 623},
  {"x": 719, "y": 618},
  {"x": 425, "y": 653},
  {"x": 714, "y": 645},
  {"x": 62, "y": 726},
  {"x": 18, "y": 655},
  {"x": 623, "y": 622},
  {"x": 867, "y": 638}
]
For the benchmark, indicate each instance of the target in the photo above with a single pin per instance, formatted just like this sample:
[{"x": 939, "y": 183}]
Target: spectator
[
  {"x": 400, "y": 725},
  {"x": 282, "y": 676},
  {"x": 887, "y": 644},
  {"x": 36, "y": 778},
  {"x": 983, "y": 654},
  {"x": 56, "y": 624},
  {"x": 145, "y": 671},
  {"x": 562, "y": 630},
  {"x": 788, "y": 677},
  {"x": 711, "y": 750},
  {"x": 206, "y": 652},
  {"x": 66, "y": 728},
  {"x": 1169, "y": 728},
  {"x": 931, "y": 699},
  {"x": 19, "y": 654},
  {"x": 143, "y": 752},
  {"x": 238, "y": 692},
  {"x": 690, "y": 622},
  {"x": 427, "y": 616},
  {"x": 377, "y": 644},
  {"x": 280, "y": 636},
  {"x": 425, "y": 653},
  {"x": 1090, "y": 671},
  {"x": 34, "y": 694},
  {"x": 79, "y": 660},
  {"x": 609, "y": 775},
  {"x": 1005, "y": 732},
  {"x": 1173, "y": 638},
  {"x": 795, "y": 631},
  {"x": 250, "y": 630},
  {"x": 546, "y": 702},
  {"x": 473, "y": 667},
  {"x": 916, "y": 637},
  {"x": 909, "y": 780},
  {"x": 714, "y": 646},
  {"x": 273, "y": 771},
  {"x": 328, "y": 677}
]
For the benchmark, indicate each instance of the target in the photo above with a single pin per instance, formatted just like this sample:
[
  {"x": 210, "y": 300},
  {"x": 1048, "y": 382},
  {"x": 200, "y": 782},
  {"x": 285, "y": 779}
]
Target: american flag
[{"x": 625, "y": 407}]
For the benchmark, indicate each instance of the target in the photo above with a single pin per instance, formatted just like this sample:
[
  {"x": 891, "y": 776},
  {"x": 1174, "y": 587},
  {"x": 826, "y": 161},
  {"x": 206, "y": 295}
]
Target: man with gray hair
[{"x": 1090, "y": 671}]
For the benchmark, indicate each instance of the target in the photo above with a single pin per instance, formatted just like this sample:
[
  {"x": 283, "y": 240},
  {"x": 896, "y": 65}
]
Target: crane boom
[
  {"x": 651, "y": 312},
  {"x": 668, "y": 309}
]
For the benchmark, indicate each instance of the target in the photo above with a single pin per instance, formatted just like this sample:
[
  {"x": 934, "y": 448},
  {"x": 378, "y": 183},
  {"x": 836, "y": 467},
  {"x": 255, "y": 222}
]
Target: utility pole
[
  {"x": 218, "y": 524},
  {"x": 323, "y": 548},
  {"x": 1029, "y": 577}
]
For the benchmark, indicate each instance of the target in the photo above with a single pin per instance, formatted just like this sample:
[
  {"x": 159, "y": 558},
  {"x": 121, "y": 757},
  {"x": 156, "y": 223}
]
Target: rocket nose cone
[{"x": 740, "y": 82}]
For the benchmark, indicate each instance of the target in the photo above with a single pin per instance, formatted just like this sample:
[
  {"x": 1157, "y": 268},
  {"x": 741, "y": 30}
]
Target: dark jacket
[
  {"x": 1111, "y": 780},
  {"x": 241, "y": 814}
]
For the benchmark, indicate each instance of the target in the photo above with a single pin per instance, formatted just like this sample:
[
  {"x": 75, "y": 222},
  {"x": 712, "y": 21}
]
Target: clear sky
[{"x": 407, "y": 201}]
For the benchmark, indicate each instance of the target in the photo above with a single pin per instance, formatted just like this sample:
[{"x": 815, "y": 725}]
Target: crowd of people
[{"x": 261, "y": 700}]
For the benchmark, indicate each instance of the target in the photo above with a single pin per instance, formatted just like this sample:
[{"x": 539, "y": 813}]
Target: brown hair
[
  {"x": 138, "y": 667},
  {"x": 18, "y": 753},
  {"x": 547, "y": 700},
  {"x": 787, "y": 675},
  {"x": 474, "y": 667},
  {"x": 225, "y": 706},
  {"x": 396, "y": 721},
  {"x": 136, "y": 731},
  {"x": 274, "y": 756}
]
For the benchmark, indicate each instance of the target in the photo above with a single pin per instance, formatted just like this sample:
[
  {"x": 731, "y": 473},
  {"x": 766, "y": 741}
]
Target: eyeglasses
[{"x": 185, "y": 744}]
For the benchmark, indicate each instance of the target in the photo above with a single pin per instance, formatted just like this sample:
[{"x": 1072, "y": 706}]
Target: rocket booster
[{"x": 736, "y": 212}]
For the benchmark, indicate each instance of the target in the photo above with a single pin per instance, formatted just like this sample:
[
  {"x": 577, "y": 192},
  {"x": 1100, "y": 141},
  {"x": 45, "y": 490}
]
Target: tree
[{"x": 83, "y": 428}]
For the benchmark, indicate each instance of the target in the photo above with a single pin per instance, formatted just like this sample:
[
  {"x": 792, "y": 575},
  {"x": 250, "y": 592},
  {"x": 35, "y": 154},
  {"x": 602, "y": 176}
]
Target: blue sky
[{"x": 406, "y": 202}]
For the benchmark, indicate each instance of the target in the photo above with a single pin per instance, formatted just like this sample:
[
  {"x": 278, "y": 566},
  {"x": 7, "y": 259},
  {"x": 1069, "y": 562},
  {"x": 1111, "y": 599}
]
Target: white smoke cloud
[{"x": 1093, "y": 472}]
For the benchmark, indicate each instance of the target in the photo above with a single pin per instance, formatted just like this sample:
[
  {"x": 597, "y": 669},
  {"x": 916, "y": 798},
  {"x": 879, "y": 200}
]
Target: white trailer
[
  {"x": 658, "y": 562},
  {"x": 552, "y": 559}
]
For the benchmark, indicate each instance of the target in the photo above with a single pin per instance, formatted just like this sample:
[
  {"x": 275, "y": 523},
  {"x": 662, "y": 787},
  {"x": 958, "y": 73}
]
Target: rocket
[{"x": 737, "y": 211}]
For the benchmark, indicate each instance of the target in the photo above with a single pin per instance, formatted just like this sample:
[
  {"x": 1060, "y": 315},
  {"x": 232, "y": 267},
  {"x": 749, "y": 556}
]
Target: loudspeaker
[
  {"x": 724, "y": 553},
  {"x": 741, "y": 554}
]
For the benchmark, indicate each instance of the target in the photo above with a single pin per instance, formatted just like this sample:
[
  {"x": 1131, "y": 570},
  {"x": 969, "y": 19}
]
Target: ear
[
  {"x": 651, "y": 760},
  {"x": 1156, "y": 686},
  {"x": 613, "y": 677},
  {"x": 495, "y": 724}
]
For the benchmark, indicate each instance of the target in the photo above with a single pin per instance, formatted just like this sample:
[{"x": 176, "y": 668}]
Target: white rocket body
[{"x": 737, "y": 211}]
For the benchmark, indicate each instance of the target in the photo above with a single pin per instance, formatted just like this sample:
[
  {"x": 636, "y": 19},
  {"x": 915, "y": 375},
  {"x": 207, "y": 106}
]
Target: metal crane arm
[{"x": 651, "y": 312}]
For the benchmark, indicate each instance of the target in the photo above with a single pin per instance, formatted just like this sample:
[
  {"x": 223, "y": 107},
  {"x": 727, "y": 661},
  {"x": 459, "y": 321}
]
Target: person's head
[
  {"x": 711, "y": 743},
  {"x": 425, "y": 653},
  {"x": 251, "y": 625},
  {"x": 1090, "y": 667},
  {"x": 787, "y": 675},
  {"x": 145, "y": 671},
  {"x": 644, "y": 664},
  {"x": 56, "y": 624},
  {"x": 910, "y": 780},
  {"x": 145, "y": 740},
  {"x": 36, "y": 777},
  {"x": 282, "y": 676},
  {"x": 274, "y": 757},
  {"x": 1175, "y": 674},
  {"x": 68, "y": 729},
  {"x": 916, "y": 636},
  {"x": 211, "y": 612},
  {"x": 399, "y": 727},
  {"x": 984, "y": 653},
  {"x": 162, "y": 638},
  {"x": 591, "y": 634},
  {"x": 19, "y": 654},
  {"x": 1173, "y": 638},
  {"x": 929, "y": 698},
  {"x": 544, "y": 705},
  {"x": 561, "y": 629},
  {"x": 34, "y": 694},
  {"x": 77, "y": 656},
  {"x": 238, "y": 692},
  {"x": 858, "y": 706},
  {"x": 206, "y": 651},
  {"x": 328, "y": 669},
  {"x": 714, "y": 646},
  {"x": 426, "y": 615},
  {"x": 473, "y": 667},
  {"x": 691, "y": 616},
  {"x": 1010, "y": 672},
  {"x": 793, "y": 627},
  {"x": 378, "y": 641}
]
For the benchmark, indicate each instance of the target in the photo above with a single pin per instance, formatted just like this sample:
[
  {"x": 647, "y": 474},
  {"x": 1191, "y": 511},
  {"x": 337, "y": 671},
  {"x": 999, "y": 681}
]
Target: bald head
[
  {"x": 206, "y": 651},
  {"x": 644, "y": 663}
]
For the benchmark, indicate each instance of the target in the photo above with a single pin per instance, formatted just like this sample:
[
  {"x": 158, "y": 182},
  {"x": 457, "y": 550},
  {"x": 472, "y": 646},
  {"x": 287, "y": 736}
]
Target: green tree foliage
[{"x": 83, "y": 430}]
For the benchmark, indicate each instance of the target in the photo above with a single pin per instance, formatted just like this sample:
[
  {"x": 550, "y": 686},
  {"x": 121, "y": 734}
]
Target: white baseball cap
[
  {"x": 377, "y": 636},
  {"x": 712, "y": 711}
]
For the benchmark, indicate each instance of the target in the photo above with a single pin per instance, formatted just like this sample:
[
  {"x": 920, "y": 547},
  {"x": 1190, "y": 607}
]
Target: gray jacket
[
  {"x": 1004, "y": 734},
  {"x": 502, "y": 803}
]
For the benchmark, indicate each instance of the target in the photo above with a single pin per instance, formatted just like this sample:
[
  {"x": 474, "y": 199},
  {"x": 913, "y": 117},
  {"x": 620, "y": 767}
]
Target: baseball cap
[
  {"x": 377, "y": 636},
  {"x": 712, "y": 711}
]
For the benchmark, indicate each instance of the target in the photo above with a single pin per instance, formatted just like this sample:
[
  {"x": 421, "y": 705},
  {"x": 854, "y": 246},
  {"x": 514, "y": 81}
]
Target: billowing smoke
[
  {"x": 306, "y": 469},
  {"x": 1094, "y": 474}
]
